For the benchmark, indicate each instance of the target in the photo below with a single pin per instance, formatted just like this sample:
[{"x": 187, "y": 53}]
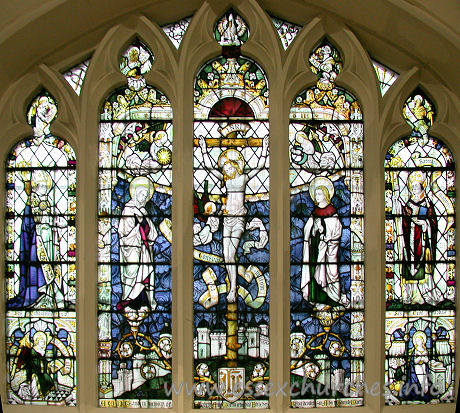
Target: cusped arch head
[
  {"x": 326, "y": 100},
  {"x": 231, "y": 87},
  {"x": 419, "y": 112},
  {"x": 41, "y": 112},
  {"x": 139, "y": 101},
  {"x": 231, "y": 29}
]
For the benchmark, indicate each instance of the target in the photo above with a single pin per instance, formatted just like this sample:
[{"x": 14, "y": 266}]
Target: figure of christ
[
  {"x": 320, "y": 282},
  {"x": 137, "y": 234},
  {"x": 233, "y": 176}
]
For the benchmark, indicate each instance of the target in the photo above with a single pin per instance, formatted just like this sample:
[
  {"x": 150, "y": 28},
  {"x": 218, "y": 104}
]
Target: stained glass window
[
  {"x": 176, "y": 31},
  {"x": 327, "y": 240},
  {"x": 286, "y": 31},
  {"x": 76, "y": 75},
  {"x": 40, "y": 264},
  {"x": 134, "y": 276},
  {"x": 385, "y": 75},
  {"x": 230, "y": 230},
  {"x": 420, "y": 262}
]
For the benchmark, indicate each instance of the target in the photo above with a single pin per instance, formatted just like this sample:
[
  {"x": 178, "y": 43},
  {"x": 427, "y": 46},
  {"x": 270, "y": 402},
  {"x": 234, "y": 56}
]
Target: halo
[
  {"x": 420, "y": 334},
  {"x": 320, "y": 181},
  {"x": 141, "y": 181},
  {"x": 302, "y": 139},
  {"x": 231, "y": 155}
]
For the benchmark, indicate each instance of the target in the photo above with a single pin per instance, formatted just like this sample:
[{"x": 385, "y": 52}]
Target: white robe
[
  {"x": 327, "y": 271},
  {"x": 136, "y": 257}
]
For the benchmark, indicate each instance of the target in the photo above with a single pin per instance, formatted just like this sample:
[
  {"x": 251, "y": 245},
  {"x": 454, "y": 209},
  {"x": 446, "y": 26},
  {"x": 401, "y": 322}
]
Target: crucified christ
[{"x": 231, "y": 173}]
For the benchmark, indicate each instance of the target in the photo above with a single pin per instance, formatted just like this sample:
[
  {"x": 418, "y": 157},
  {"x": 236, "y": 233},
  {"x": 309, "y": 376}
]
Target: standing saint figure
[
  {"x": 41, "y": 282},
  {"x": 320, "y": 283},
  {"x": 231, "y": 162},
  {"x": 137, "y": 234},
  {"x": 419, "y": 233}
]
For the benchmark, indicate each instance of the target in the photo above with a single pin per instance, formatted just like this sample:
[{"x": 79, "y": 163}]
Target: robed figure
[
  {"x": 419, "y": 234},
  {"x": 137, "y": 234},
  {"x": 320, "y": 282}
]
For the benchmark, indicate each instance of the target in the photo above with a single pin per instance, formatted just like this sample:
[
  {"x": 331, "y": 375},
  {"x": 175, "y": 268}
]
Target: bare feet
[{"x": 231, "y": 296}]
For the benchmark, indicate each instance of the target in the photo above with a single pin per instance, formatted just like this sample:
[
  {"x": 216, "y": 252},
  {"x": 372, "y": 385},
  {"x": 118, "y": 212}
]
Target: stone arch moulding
[
  {"x": 20, "y": 94},
  {"x": 100, "y": 81},
  {"x": 394, "y": 125},
  {"x": 357, "y": 74},
  {"x": 37, "y": 66}
]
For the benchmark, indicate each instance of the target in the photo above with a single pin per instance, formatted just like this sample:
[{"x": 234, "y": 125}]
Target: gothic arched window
[
  {"x": 420, "y": 262},
  {"x": 134, "y": 276},
  {"x": 40, "y": 263},
  {"x": 327, "y": 239},
  {"x": 231, "y": 216}
]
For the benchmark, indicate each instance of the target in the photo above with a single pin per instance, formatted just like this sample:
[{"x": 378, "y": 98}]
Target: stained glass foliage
[
  {"x": 230, "y": 234},
  {"x": 287, "y": 31},
  {"x": 325, "y": 101},
  {"x": 176, "y": 31},
  {"x": 75, "y": 76},
  {"x": 40, "y": 237},
  {"x": 420, "y": 263},
  {"x": 327, "y": 242},
  {"x": 385, "y": 76},
  {"x": 134, "y": 272},
  {"x": 231, "y": 29}
]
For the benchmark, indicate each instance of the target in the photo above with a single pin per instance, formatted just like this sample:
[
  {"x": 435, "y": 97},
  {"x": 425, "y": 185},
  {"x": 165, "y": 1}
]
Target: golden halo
[
  {"x": 321, "y": 181},
  {"x": 231, "y": 155},
  {"x": 420, "y": 334}
]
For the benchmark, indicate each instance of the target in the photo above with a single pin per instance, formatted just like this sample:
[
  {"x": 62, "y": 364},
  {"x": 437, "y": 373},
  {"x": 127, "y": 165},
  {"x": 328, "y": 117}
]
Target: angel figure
[{"x": 421, "y": 119}]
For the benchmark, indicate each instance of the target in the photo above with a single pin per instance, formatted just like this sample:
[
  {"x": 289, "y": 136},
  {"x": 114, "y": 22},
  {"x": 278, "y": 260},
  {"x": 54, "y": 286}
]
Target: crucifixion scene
[{"x": 231, "y": 225}]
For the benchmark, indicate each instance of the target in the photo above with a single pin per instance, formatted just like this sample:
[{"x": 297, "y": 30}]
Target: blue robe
[{"x": 31, "y": 274}]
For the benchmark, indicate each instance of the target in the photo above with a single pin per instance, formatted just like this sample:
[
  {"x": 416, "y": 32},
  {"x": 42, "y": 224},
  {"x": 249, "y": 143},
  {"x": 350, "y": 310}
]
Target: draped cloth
[
  {"x": 32, "y": 279},
  {"x": 320, "y": 283},
  {"x": 137, "y": 234}
]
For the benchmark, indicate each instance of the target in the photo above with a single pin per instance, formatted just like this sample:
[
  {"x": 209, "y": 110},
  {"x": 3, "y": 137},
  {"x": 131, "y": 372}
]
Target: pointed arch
[
  {"x": 231, "y": 218},
  {"x": 41, "y": 263},
  {"x": 420, "y": 261},
  {"x": 134, "y": 230},
  {"x": 327, "y": 235}
]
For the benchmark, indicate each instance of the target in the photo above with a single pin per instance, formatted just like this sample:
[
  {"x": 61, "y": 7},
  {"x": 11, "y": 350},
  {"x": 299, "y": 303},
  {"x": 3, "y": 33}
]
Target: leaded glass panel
[
  {"x": 420, "y": 263},
  {"x": 287, "y": 31},
  {"x": 385, "y": 75},
  {"x": 135, "y": 231},
  {"x": 231, "y": 224},
  {"x": 75, "y": 76},
  {"x": 176, "y": 31},
  {"x": 327, "y": 241},
  {"x": 40, "y": 264}
]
